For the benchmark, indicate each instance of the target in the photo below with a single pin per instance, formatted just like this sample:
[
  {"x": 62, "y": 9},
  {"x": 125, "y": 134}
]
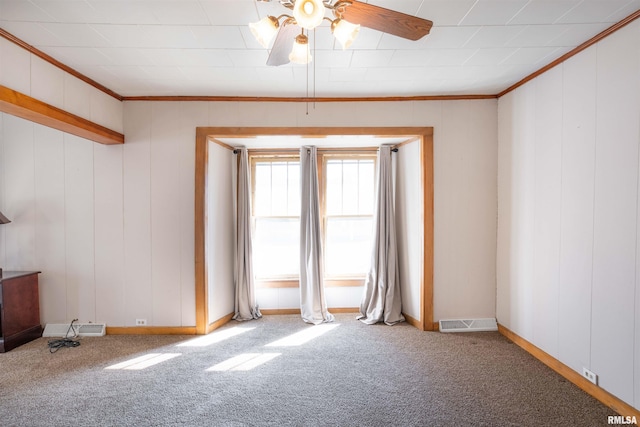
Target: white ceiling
[{"x": 205, "y": 48}]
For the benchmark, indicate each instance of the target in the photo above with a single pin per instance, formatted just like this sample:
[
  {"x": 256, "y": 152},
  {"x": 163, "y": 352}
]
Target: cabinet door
[{"x": 20, "y": 303}]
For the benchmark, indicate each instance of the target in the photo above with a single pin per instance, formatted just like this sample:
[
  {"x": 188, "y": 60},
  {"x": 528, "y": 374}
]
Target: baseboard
[
  {"x": 220, "y": 322},
  {"x": 435, "y": 326},
  {"x": 150, "y": 330},
  {"x": 598, "y": 393},
  {"x": 412, "y": 321},
  {"x": 279, "y": 311},
  {"x": 191, "y": 330},
  {"x": 344, "y": 310},
  {"x": 164, "y": 330}
]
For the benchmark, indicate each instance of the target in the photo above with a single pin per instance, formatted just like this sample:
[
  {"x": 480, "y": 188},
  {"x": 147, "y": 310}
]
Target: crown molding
[
  {"x": 308, "y": 99},
  {"x": 37, "y": 52},
  {"x": 573, "y": 52}
]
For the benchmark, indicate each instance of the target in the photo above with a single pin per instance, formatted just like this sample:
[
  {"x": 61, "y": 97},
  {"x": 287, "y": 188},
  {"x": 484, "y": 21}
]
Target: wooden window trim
[{"x": 295, "y": 283}]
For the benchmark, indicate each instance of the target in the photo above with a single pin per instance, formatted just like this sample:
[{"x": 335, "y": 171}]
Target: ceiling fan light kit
[
  {"x": 300, "y": 54},
  {"x": 345, "y": 32},
  {"x": 308, "y": 13},
  {"x": 265, "y": 30},
  {"x": 348, "y": 17}
]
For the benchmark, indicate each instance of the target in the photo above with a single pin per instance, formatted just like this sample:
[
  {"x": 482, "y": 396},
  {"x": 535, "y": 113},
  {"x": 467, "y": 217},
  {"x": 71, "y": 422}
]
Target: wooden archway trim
[{"x": 203, "y": 323}]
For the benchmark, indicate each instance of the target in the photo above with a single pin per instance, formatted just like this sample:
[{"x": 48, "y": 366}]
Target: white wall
[
  {"x": 221, "y": 231},
  {"x": 128, "y": 210},
  {"x": 60, "y": 191},
  {"x": 465, "y": 163},
  {"x": 26, "y": 73},
  {"x": 409, "y": 226},
  {"x": 568, "y": 234},
  {"x": 465, "y": 135},
  {"x": 111, "y": 227}
]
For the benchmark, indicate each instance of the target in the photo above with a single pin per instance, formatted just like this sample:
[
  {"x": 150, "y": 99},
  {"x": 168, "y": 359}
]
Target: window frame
[
  {"x": 283, "y": 280},
  {"x": 266, "y": 155},
  {"x": 323, "y": 160}
]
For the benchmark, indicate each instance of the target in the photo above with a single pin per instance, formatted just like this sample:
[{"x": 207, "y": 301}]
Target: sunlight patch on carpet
[
  {"x": 304, "y": 336},
  {"x": 143, "y": 362},
  {"x": 244, "y": 362},
  {"x": 215, "y": 337}
]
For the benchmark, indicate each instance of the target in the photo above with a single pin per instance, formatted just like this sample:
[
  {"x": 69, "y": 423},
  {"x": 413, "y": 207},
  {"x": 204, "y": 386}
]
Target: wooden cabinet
[{"x": 19, "y": 309}]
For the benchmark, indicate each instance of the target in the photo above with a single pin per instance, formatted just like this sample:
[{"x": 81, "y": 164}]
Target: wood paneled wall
[{"x": 568, "y": 230}]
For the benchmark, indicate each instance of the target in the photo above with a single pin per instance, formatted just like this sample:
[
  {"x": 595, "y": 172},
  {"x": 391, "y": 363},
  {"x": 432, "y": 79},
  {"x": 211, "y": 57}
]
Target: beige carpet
[{"x": 348, "y": 375}]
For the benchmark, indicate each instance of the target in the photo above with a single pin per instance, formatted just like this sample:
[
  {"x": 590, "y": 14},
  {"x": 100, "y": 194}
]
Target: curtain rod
[{"x": 395, "y": 150}]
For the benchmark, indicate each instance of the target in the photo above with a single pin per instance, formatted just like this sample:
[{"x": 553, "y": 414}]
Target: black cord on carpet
[{"x": 55, "y": 345}]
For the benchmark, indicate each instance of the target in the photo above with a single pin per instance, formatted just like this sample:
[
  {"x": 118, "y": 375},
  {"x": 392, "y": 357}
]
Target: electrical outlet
[
  {"x": 141, "y": 322},
  {"x": 590, "y": 376}
]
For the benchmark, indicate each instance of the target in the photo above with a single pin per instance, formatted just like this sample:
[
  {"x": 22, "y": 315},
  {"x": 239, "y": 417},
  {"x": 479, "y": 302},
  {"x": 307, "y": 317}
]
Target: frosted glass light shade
[
  {"x": 264, "y": 30},
  {"x": 308, "y": 13},
  {"x": 300, "y": 54},
  {"x": 345, "y": 32}
]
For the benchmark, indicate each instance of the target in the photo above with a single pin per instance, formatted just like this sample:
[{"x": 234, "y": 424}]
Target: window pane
[
  {"x": 275, "y": 247},
  {"x": 349, "y": 187},
  {"x": 279, "y": 190},
  {"x": 262, "y": 195},
  {"x": 333, "y": 198},
  {"x": 348, "y": 246},
  {"x": 293, "y": 208},
  {"x": 366, "y": 189}
]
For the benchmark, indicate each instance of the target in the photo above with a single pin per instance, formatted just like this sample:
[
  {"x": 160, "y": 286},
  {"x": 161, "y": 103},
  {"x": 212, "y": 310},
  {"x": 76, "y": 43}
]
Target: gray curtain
[
  {"x": 313, "y": 306},
  {"x": 245, "y": 299},
  {"x": 381, "y": 301}
]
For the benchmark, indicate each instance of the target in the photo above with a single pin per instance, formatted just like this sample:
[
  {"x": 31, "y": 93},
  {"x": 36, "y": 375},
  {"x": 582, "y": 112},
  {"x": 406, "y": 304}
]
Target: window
[
  {"x": 347, "y": 184},
  {"x": 276, "y": 217},
  {"x": 348, "y": 214}
]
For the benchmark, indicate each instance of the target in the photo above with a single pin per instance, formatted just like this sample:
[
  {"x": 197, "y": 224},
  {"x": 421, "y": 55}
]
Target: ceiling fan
[{"x": 348, "y": 17}]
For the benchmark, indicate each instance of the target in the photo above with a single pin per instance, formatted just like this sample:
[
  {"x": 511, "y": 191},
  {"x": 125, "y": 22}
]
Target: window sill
[{"x": 295, "y": 283}]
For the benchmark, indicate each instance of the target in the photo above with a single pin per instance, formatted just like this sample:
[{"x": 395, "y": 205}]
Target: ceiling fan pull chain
[
  {"x": 314, "y": 69},
  {"x": 307, "y": 79}
]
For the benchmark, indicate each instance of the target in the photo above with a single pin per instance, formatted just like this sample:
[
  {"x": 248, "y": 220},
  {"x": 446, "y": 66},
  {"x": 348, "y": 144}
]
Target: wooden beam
[{"x": 26, "y": 107}]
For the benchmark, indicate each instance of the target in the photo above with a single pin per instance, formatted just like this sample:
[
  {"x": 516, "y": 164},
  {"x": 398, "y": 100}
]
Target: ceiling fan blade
[
  {"x": 388, "y": 21},
  {"x": 282, "y": 46}
]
